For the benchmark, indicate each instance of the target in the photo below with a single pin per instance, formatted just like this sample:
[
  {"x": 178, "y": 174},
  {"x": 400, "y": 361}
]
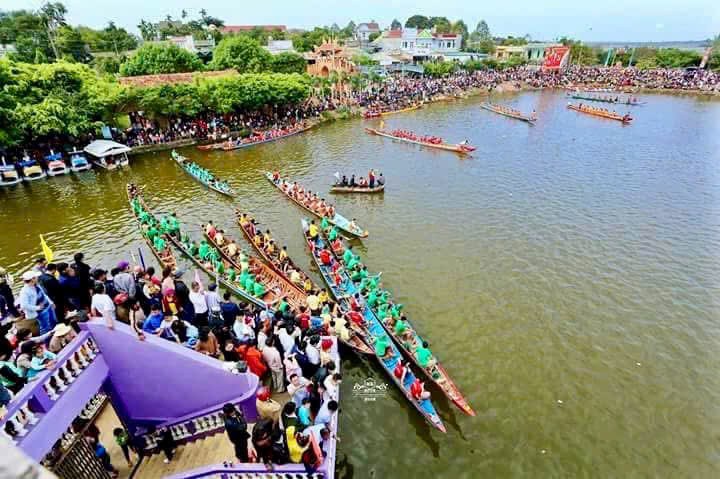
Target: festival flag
[
  {"x": 46, "y": 250},
  {"x": 382, "y": 124}
]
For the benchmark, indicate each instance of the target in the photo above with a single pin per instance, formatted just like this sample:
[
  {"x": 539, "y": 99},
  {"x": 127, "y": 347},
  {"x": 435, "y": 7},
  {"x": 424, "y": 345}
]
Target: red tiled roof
[
  {"x": 247, "y": 28},
  {"x": 171, "y": 78},
  {"x": 394, "y": 34},
  {"x": 445, "y": 35},
  {"x": 370, "y": 26}
]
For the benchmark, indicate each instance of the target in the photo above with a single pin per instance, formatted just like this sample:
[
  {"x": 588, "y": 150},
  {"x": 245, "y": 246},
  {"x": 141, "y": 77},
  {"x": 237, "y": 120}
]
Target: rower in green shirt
[
  {"x": 353, "y": 261},
  {"x": 400, "y": 327},
  {"x": 159, "y": 243},
  {"x": 347, "y": 255},
  {"x": 231, "y": 273},
  {"x": 219, "y": 266},
  {"x": 152, "y": 233},
  {"x": 249, "y": 284},
  {"x": 332, "y": 236},
  {"x": 324, "y": 223},
  {"x": 259, "y": 290},
  {"x": 204, "y": 249},
  {"x": 193, "y": 249},
  {"x": 382, "y": 312},
  {"x": 372, "y": 299},
  {"x": 423, "y": 355},
  {"x": 381, "y": 346},
  {"x": 283, "y": 305},
  {"x": 395, "y": 310}
]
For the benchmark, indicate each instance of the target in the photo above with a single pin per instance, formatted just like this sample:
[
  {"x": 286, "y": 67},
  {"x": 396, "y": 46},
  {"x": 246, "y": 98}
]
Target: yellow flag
[
  {"x": 46, "y": 249},
  {"x": 382, "y": 124}
]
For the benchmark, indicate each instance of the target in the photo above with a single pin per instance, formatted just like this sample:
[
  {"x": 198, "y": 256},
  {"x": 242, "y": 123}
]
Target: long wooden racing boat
[
  {"x": 436, "y": 374},
  {"x": 376, "y": 333},
  {"x": 403, "y": 110},
  {"x": 338, "y": 220},
  {"x": 461, "y": 149},
  {"x": 263, "y": 273},
  {"x": 499, "y": 111},
  {"x": 607, "y": 100},
  {"x": 250, "y": 233},
  {"x": 356, "y": 189},
  {"x": 236, "y": 146},
  {"x": 603, "y": 114},
  {"x": 216, "y": 185},
  {"x": 166, "y": 258}
]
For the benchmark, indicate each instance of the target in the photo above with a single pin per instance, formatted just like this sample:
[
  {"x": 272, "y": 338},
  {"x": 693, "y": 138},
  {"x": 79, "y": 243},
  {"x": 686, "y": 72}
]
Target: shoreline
[{"x": 357, "y": 112}]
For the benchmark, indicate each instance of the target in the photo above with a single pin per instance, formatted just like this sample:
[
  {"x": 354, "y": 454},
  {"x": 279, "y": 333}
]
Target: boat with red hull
[{"x": 461, "y": 149}]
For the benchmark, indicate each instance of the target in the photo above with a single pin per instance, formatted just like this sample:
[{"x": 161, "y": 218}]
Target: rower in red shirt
[{"x": 325, "y": 257}]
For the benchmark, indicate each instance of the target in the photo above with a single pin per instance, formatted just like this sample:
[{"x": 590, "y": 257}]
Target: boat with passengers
[
  {"x": 202, "y": 175},
  {"x": 601, "y": 112},
  {"x": 510, "y": 112},
  {"x": 391, "y": 317},
  {"x": 429, "y": 141},
  {"x": 310, "y": 202},
  {"x": 386, "y": 352},
  {"x": 108, "y": 154}
]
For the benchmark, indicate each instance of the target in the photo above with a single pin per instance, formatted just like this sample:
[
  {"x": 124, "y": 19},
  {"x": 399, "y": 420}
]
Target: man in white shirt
[
  {"x": 272, "y": 358},
  {"x": 213, "y": 300},
  {"x": 312, "y": 352},
  {"x": 199, "y": 302},
  {"x": 102, "y": 306},
  {"x": 297, "y": 389},
  {"x": 332, "y": 386},
  {"x": 326, "y": 413},
  {"x": 287, "y": 338}
]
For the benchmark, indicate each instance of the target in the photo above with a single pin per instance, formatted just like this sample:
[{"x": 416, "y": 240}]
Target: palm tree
[{"x": 183, "y": 14}]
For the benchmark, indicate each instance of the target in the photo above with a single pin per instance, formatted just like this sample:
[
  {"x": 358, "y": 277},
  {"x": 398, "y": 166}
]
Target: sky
[{"x": 609, "y": 20}]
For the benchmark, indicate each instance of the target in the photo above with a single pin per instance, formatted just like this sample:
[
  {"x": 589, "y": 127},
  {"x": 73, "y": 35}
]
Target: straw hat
[{"x": 61, "y": 330}]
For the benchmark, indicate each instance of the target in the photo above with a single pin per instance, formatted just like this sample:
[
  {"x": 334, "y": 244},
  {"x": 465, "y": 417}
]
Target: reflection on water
[{"x": 571, "y": 261}]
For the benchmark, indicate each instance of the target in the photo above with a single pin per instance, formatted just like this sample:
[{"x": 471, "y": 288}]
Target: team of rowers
[
  {"x": 372, "y": 294},
  {"x": 259, "y": 136},
  {"x": 372, "y": 181},
  {"x": 201, "y": 173},
  {"x": 609, "y": 99},
  {"x": 279, "y": 257},
  {"x": 408, "y": 135},
  {"x": 603, "y": 112},
  {"x": 307, "y": 198},
  {"x": 511, "y": 111}
]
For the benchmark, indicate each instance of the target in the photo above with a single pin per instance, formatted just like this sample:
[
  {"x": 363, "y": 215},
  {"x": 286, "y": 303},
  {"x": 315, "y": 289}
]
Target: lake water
[{"x": 566, "y": 276}]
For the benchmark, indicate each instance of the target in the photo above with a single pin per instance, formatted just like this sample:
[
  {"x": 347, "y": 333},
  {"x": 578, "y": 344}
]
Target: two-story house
[{"x": 364, "y": 30}]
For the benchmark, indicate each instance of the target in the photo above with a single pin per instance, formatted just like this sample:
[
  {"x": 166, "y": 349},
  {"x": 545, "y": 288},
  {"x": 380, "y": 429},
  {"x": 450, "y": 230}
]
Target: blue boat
[
  {"x": 375, "y": 331},
  {"x": 78, "y": 162}
]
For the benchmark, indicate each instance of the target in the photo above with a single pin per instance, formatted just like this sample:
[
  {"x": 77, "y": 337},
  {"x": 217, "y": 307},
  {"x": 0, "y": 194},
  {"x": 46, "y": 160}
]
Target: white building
[
  {"x": 364, "y": 30},
  {"x": 276, "y": 47},
  {"x": 419, "y": 44},
  {"x": 193, "y": 45}
]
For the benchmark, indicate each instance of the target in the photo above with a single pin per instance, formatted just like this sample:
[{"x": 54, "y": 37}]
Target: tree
[
  {"x": 373, "y": 36},
  {"x": 418, "y": 21},
  {"x": 53, "y": 16},
  {"x": 71, "y": 44},
  {"x": 482, "y": 31},
  {"x": 152, "y": 59},
  {"x": 395, "y": 25},
  {"x": 287, "y": 62},
  {"x": 183, "y": 14},
  {"x": 513, "y": 41},
  {"x": 460, "y": 28},
  {"x": 676, "y": 58},
  {"x": 147, "y": 30},
  {"x": 363, "y": 59},
  {"x": 28, "y": 32},
  {"x": 241, "y": 53},
  {"x": 439, "y": 69},
  {"x": 441, "y": 24}
]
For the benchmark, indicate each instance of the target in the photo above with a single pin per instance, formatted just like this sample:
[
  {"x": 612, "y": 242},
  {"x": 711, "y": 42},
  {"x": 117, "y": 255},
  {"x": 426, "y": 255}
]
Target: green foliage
[
  {"x": 287, "y": 62},
  {"x": 582, "y": 54},
  {"x": 252, "y": 91},
  {"x": 241, "y": 53},
  {"x": 676, "y": 58},
  {"x": 373, "y": 36},
  {"x": 66, "y": 99},
  {"x": 482, "y": 31},
  {"x": 70, "y": 43},
  {"x": 514, "y": 41},
  {"x": 418, "y": 21},
  {"x": 363, "y": 59},
  {"x": 109, "y": 65},
  {"x": 395, "y": 25},
  {"x": 304, "y": 42},
  {"x": 474, "y": 65},
  {"x": 27, "y": 31},
  {"x": 439, "y": 69},
  {"x": 153, "y": 58},
  {"x": 646, "y": 63},
  {"x": 441, "y": 24}
]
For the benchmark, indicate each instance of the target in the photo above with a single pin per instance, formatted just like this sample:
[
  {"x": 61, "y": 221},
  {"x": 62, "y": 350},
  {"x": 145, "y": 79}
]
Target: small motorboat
[
  {"x": 108, "y": 154},
  {"x": 8, "y": 174},
  {"x": 55, "y": 164},
  {"x": 78, "y": 162},
  {"x": 31, "y": 171}
]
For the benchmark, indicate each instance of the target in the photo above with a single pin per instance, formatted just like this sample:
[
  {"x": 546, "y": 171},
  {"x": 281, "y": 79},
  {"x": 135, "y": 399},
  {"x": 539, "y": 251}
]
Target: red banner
[{"x": 556, "y": 57}]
